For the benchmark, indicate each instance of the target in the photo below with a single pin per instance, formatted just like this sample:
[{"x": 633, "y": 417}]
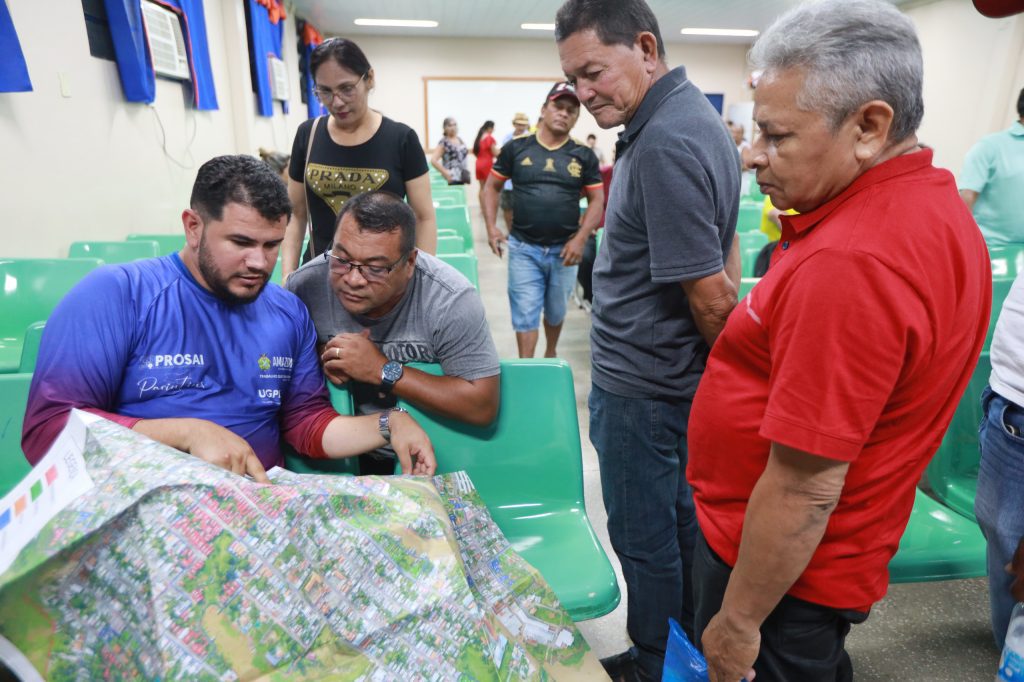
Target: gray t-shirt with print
[{"x": 440, "y": 319}]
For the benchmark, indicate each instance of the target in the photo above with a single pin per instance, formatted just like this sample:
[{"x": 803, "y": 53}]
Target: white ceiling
[{"x": 501, "y": 18}]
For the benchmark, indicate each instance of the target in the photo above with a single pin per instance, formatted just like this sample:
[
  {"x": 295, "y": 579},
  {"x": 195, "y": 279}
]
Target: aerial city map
[{"x": 167, "y": 567}]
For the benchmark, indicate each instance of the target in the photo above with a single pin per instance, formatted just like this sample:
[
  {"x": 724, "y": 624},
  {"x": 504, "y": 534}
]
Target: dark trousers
[
  {"x": 641, "y": 447},
  {"x": 800, "y": 641}
]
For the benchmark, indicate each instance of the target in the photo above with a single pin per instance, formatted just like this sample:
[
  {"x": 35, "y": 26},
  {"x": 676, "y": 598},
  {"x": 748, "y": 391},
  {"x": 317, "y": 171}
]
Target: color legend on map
[
  {"x": 55, "y": 481},
  {"x": 35, "y": 491}
]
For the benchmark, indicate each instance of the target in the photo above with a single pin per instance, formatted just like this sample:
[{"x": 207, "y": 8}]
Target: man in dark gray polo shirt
[{"x": 665, "y": 281}]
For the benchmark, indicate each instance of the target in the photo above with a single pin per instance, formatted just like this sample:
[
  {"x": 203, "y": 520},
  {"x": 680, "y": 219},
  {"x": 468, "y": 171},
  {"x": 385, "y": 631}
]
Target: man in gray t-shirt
[
  {"x": 378, "y": 303},
  {"x": 665, "y": 281}
]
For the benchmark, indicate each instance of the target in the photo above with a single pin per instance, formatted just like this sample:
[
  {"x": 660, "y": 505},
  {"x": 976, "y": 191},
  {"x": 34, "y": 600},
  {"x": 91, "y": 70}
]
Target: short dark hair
[
  {"x": 591, "y": 136},
  {"x": 343, "y": 51},
  {"x": 1020, "y": 103},
  {"x": 242, "y": 180},
  {"x": 381, "y": 211},
  {"x": 616, "y": 22}
]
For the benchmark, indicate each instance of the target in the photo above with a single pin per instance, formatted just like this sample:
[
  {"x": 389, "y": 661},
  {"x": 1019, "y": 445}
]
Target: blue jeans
[
  {"x": 999, "y": 502},
  {"x": 641, "y": 447},
  {"x": 537, "y": 279}
]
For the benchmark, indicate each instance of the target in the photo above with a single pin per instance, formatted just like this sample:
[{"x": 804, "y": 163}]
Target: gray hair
[{"x": 853, "y": 51}]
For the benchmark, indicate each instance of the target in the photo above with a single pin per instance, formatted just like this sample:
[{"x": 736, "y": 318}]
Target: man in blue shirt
[
  {"x": 197, "y": 351},
  {"x": 992, "y": 180}
]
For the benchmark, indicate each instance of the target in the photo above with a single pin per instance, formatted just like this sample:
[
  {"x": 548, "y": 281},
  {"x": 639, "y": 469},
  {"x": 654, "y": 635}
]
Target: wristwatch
[
  {"x": 384, "y": 422},
  {"x": 390, "y": 375}
]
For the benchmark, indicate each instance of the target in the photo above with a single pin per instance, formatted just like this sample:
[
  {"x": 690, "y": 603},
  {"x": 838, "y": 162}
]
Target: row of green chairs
[{"x": 528, "y": 468}]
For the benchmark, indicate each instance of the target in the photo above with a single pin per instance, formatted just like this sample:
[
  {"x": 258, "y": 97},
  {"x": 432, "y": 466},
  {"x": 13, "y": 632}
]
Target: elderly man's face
[
  {"x": 800, "y": 162},
  {"x": 610, "y": 80}
]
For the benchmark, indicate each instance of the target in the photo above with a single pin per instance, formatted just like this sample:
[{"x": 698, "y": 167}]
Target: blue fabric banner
[{"x": 13, "y": 70}]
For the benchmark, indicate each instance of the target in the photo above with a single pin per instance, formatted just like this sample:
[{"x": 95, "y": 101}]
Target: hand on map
[
  {"x": 352, "y": 356},
  {"x": 214, "y": 444},
  {"x": 411, "y": 444}
]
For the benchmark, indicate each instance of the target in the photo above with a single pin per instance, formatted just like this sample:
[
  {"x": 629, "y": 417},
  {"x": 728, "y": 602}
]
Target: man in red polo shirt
[{"x": 834, "y": 380}]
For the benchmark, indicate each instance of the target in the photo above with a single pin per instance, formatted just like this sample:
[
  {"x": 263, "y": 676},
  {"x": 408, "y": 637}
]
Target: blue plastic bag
[{"x": 683, "y": 663}]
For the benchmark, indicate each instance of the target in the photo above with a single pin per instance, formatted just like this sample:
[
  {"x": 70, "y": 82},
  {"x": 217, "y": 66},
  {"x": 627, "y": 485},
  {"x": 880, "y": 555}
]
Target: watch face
[{"x": 392, "y": 372}]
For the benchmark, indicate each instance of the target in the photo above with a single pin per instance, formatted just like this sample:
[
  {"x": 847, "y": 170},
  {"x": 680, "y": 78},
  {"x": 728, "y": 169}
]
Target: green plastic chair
[
  {"x": 938, "y": 544},
  {"x": 32, "y": 287},
  {"x": 1007, "y": 260},
  {"x": 751, "y": 244},
  {"x": 464, "y": 230},
  {"x": 953, "y": 472},
  {"x": 450, "y": 244},
  {"x": 13, "y": 398},
  {"x": 454, "y": 217},
  {"x": 30, "y": 349},
  {"x": 465, "y": 263},
  {"x": 115, "y": 252},
  {"x": 169, "y": 243},
  {"x": 527, "y": 467},
  {"x": 749, "y": 218},
  {"x": 445, "y": 200},
  {"x": 746, "y": 284}
]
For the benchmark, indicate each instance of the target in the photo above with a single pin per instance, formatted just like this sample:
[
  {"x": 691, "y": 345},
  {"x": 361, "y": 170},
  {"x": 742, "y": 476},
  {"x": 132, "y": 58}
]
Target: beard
[{"x": 218, "y": 283}]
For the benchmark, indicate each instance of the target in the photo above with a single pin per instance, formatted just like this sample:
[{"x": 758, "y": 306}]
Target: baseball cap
[
  {"x": 563, "y": 89},
  {"x": 520, "y": 118},
  {"x": 997, "y": 9}
]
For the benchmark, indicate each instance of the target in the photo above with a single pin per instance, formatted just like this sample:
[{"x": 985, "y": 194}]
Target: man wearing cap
[
  {"x": 549, "y": 170},
  {"x": 520, "y": 126}
]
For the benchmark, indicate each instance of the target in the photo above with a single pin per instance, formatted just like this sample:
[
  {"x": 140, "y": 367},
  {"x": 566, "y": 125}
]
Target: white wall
[
  {"x": 973, "y": 72},
  {"x": 400, "y": 66},
  {"x": 90, "y": 165}
]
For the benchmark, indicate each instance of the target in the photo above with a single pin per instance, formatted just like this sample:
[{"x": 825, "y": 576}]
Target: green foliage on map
[{"x": 170, "y": 568}]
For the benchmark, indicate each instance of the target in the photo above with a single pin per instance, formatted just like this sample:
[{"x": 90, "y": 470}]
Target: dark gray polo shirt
[{"x": 671, "y": 217}]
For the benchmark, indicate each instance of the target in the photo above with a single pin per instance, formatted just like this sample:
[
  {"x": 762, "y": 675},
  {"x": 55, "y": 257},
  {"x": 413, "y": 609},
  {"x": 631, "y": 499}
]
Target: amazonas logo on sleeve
[{"x": 336, "y": 185}]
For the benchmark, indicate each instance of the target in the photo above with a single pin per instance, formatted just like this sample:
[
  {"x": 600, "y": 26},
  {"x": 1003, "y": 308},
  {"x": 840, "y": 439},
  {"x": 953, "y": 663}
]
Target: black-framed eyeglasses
[
  {"x": 371, "y": 273},
  {"x": 345, "y": 92}
]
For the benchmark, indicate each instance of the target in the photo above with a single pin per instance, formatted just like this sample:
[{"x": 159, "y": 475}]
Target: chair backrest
[
  {"x": 447, "y": 244},
  {"x": 953, "y": 471},
  {"x": 749, "y": 218},
  {"x": 30, "y": 349},
  {"x": 115, "y": 252},
  {"x": 1007, "y": 260},
  {"x": 31, "y": 289},
  {"x": 13, "y": 398},
  {"x": 169, "y": 243},
  {"x": 452, "y": 216},
  {"x": 464, "y": 263}
]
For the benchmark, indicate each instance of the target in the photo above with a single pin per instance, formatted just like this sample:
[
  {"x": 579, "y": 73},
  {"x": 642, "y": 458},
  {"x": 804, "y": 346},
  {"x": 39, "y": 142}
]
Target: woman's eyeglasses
[{"x": 345, "y": 92}]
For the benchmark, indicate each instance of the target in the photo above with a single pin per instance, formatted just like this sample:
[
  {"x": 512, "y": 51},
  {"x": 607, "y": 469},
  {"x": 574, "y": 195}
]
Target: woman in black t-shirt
[{"x": 353, "y": 150}]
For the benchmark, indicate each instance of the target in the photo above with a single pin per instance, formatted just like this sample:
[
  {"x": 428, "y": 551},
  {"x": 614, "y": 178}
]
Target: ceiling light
[
  {"x": 402, "y": 23},
  {"x": 736, "y": 32},
  {"x": 537, "y": 27}
]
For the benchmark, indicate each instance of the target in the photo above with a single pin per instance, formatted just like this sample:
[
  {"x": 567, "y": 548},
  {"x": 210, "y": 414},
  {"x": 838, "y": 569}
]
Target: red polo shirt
[{"x": 856, "y": 346}]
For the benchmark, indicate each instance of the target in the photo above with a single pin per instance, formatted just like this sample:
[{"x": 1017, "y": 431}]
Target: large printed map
[{"x": 170, "y": 568}]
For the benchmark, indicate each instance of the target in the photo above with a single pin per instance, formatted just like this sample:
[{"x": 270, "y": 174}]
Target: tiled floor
[{"x": 926, "y": 631}]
